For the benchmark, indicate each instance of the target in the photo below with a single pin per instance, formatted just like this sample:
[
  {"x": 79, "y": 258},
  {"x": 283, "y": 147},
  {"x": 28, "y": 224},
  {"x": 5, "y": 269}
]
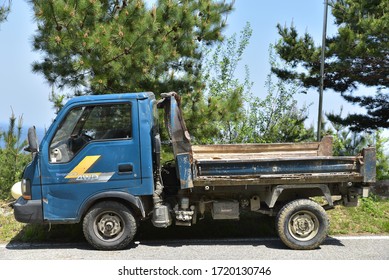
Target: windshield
[{"x": 67, "y": 126}]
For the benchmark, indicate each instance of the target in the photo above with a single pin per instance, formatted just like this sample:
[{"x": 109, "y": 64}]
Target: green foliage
[
  {"x": 350, "y": 143},
  {"x": 371, "y": 216},
  {"x": 5, "y": 8},
  {"x": 347, "y": 142},
  {"x": 276, "y": 118},
  {"x": 382, "y": 156},
  {"x": 57, "y": 100},
  {"x": 105, "y": 46},
  {"x": 100, "y": 46},
  {"x": 356, "y": 56},
  {"x": 12, "y": 160},
  {"x": 368, "y": 205},
  {"x": 226, "y": 111},
  {"x": 226, "y": 94},
  {"x": 218, "y": 109}
]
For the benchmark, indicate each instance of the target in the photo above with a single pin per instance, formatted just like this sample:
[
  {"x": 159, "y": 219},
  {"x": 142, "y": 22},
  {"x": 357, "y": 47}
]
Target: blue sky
[{"x": 27, "y": 93}]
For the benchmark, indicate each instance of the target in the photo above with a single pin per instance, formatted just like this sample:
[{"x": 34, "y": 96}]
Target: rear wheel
[
  {"x": 302, "y": 224},
  {"x": 109, "y": 225}
]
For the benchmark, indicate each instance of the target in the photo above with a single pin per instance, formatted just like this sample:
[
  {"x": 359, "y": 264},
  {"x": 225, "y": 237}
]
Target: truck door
[{"x": 94, "y": 148}]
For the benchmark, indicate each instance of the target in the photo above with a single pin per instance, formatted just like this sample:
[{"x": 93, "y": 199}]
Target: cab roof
[{"x": 112, "y": 97}]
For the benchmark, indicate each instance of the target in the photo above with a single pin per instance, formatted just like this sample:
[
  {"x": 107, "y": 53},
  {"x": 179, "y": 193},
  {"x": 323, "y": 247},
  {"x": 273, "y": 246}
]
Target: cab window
[{"x": 90, "y": 123}]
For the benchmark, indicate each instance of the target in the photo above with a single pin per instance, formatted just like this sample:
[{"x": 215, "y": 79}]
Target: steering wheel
[
  {"x": 76, "y": 142},
  {"x": 88, "y": 137}
]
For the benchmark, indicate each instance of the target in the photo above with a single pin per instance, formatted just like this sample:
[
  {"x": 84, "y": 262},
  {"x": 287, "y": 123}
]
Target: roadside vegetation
[{"x": 370, "y": 217}]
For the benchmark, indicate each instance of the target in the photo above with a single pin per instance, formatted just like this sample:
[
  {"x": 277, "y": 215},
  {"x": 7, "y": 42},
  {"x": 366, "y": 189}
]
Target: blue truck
[{"x": 99, "y": 164}]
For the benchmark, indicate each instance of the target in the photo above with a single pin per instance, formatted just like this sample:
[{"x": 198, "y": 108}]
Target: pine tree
[
  {"x": 5, "y": 8},
  {"x": 358, "y": 55},
  {"x": 12, "y": 159},
  {"x": 105, "y": 46}
]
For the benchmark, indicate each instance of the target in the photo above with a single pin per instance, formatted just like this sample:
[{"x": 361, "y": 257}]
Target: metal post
[{"x": 323, "y": 46}]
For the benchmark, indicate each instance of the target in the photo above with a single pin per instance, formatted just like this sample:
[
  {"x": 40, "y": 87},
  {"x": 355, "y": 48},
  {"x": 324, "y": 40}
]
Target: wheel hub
[
  {"x": 109, "y": 225},
  {"x": 303, "y": 226}
]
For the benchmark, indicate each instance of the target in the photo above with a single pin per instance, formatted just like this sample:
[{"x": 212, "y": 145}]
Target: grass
[
  {"x": 370, "y": 217},
  {"x": 9, "y": 228}
]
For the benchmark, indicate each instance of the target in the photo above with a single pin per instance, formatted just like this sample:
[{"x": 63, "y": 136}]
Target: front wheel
[
  {"x": 109, "y": 225},
  {"x": 302, "y": 224}
]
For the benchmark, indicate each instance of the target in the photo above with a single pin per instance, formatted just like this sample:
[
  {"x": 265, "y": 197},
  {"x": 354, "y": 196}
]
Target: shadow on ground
[
  {"x": 248, "y": 227},
  {"x": 251, "y": 230}
]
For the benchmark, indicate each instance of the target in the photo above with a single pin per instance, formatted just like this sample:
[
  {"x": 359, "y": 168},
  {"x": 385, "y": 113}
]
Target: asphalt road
[{"x": 334, "y": 248}]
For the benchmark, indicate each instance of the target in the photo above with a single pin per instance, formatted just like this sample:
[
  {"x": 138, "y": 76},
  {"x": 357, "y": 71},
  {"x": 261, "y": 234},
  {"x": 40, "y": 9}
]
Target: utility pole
[{"x": 323, "y": 47}]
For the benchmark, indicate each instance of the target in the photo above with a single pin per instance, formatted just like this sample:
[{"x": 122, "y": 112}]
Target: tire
[
  {"x": 302, "y": 224},
  {"x": 109, "y": 225}
]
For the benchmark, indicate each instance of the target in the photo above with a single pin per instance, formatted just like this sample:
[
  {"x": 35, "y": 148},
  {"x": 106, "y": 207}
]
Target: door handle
[{"x": 125, "y": 168}]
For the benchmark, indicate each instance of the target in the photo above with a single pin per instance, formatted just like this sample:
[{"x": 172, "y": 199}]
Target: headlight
[{"x": 16, "y": 190}]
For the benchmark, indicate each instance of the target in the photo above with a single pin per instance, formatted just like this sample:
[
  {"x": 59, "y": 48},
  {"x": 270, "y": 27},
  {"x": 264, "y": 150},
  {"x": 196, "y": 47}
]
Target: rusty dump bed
[
  {"x": 260, "y": 164},
  {"x": 285, "y": 163}
]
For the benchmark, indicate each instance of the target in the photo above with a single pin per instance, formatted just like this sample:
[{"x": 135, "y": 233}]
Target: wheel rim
[
  {"x": 108, "y": 226},
  {"x": 303, "y": 225}
]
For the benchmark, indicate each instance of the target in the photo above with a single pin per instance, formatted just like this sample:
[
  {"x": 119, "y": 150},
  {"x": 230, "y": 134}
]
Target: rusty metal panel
[
  {"x": 257, "y": 151},
  {"x": 277, "y": 166},
  {"x": 369, "y": 165},
  {"x": 175, "y": 123},
  {"x": 179, "y": 136},
  {"x": 272, "y": 196},
  {"x": 260, "y": 164},
  {"x": 325, "y": 146},
  {"x": 184, "y": 171},
  {"x": 286, "y": 163},
  {"x": 265, "y": 180}
]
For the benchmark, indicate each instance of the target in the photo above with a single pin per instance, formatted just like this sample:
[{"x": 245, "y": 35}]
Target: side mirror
[{"x": 32, "y": 141}]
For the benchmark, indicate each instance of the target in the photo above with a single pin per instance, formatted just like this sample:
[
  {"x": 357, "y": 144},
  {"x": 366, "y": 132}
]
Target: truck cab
[{"x": 97, "y": 147}]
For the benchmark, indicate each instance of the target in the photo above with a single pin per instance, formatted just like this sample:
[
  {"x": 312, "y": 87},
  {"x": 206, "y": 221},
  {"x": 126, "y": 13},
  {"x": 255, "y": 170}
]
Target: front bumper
[{"x": 28, "y": 211}]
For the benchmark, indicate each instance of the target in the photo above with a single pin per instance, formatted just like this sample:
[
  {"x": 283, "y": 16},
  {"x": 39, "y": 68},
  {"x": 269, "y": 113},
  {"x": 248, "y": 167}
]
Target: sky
[{"x": 26, "y": 93}]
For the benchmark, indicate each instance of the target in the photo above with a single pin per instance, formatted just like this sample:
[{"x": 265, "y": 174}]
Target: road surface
[{"x": 334, "y": 248}]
